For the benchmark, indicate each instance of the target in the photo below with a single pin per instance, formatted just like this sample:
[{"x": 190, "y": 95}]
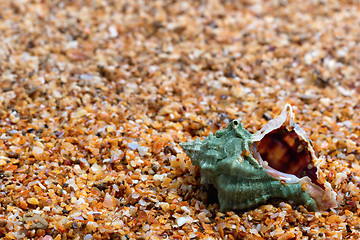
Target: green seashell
[{"x": 232, "y": 161}]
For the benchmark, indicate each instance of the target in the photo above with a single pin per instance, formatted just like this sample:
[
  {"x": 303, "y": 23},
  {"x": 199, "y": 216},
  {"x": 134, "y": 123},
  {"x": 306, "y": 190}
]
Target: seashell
[{"x": 277, "y": 162}]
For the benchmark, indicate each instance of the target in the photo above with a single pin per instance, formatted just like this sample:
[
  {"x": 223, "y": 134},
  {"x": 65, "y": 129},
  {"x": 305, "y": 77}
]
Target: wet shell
[{"x": 249, "y": 169}]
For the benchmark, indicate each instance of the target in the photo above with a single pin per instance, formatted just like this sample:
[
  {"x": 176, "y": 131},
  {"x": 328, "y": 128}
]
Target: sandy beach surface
[{"x": 96, "y": 96}]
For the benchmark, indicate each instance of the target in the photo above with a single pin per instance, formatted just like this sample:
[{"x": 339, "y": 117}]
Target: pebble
[
  {"x": 2, "y": 162},
  {"x": 182, "y": 220},
  {"x": 133, "y": 145},
  {"x": 108, "y": 201},
  {"x": 3, "y": 223},
  {"x": 47, "y": 237},
  {"x": 88, "y": 237},
  {"x": 143, "y": 150},
  {"x": 33, "y": 201},
  {"x": 37, "y": 222}
]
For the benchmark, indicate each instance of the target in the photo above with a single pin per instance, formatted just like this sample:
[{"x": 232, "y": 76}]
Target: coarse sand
[{"x": 96, "y": 96}]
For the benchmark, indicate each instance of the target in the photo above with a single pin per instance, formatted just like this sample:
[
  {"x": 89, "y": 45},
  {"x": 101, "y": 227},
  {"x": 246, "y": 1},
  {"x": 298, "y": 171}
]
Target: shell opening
[{"x": 286, "y": 154}]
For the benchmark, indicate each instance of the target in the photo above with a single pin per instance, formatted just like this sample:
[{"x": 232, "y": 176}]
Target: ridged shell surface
[{"x": 225, "y": 161}]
